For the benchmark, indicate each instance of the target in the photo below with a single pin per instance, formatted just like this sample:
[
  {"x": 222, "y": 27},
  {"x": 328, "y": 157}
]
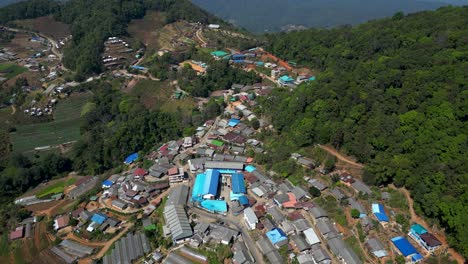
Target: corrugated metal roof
[
  {"x": 224, "y": 165},
  {"x": 178, "y": 195},
  {"x": 177, "y": 220}
]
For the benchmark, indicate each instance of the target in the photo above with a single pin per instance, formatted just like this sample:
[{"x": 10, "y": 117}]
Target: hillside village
[
  {"x": 204, "y": 197},
  {"x": 205, "y": 190}
]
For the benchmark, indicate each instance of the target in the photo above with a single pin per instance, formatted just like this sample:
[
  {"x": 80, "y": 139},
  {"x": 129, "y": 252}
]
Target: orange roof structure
[{"x": 292, "y": 201}]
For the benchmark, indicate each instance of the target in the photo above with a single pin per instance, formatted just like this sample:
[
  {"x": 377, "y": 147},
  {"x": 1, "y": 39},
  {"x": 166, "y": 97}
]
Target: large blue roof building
[
  {"x": 206, "y": 185},
  {"x": 238, "y": 184}
]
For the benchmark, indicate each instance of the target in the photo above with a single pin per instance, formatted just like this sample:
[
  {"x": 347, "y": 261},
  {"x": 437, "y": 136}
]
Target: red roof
[
  {"x": 62, "y": 221},
  {"x": 295, "y": 215},
  {"x": 250, "y": 177},
  {"x": 292, "y": 201},
  {"x": 164, "y": 147},
  {"x": 18, "y": 233},
  {"x": 173, "y": 171},
  {"x": 77, "y": 212},
  {"x": 140, "y": 172}
]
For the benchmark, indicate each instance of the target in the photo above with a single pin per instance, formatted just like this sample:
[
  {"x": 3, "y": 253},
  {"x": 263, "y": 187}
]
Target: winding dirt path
[
  {"x": 335, "y": 153},
  {"x": 441, "y": 236},
  {"x": 199, "y": 36}
]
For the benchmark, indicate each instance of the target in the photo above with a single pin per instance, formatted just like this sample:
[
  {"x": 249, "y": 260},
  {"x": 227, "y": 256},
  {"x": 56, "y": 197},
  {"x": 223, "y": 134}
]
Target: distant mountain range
[{"x": 277, "y": 15}]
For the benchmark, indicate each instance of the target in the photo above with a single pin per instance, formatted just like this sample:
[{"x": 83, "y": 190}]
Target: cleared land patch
[
  {"x": 65, "y": 127},
  {"x": 145, "y": 29},
  {"x": 46, "y": 25},
  {"x": 155, "y": 95},
  {"x": 10, "y": 70},
  {"x": 55, "y": 188}
]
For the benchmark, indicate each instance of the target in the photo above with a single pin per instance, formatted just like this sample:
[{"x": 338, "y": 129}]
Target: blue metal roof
[
  {"x": 243, "y": 200},
  {"x": 197, "y": 191},
  {"x": 404, "y": 246},
  {"x": 233, "y": 122},
  {"x": 211, "y": 182},
  {"x": 250, "y": 168},
  {"x": 276, "y": 235},
  {"x": 131, "y": 158},
  {"x": 238, "y": 184},
  {"x": 416, "y": 257},
  {"x": 98, "y": 218},
  {"x": 107, "y": 183},
  {"x": 379, "y": 212}
]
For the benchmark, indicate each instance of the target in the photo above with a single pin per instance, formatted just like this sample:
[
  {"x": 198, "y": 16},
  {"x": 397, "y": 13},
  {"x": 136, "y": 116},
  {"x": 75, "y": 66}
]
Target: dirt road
[
  {"x": 199, "y": 36},
  {"x": 105, "y": 245},
  {"x": 339, "y": 156},
  {"x": 416, "y": 219}
]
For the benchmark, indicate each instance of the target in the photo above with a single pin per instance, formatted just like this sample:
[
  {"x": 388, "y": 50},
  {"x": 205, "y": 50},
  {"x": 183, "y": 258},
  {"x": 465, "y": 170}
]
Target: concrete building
[{"x": 250, "y": 218}]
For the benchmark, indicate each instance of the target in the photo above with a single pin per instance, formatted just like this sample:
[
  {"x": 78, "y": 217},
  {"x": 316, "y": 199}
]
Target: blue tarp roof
[
  {"x": 243, "y": 200},
  {"x": 286, "y": 78},
  {"x": 312, "y": 78},
  {"x": 250, "y": 168},
  {"x": 141, "y": 68},
  {"x": 131, "y": 158},
  {"x": 98, "y": 218},
  {"x": 238, "y": 61},
  {"x": 404, "y": 246},
  {"x": 197, "y": 191},
  {"x": 233, "y": 122},
  {"x": 238, "y": 184},
  {"x": 276, "y": 235},
  {"x": 379, "y": 212},
  {"x": 416, "y": 257},
  {"x": 107, "y": 183},
  {"x": 214, "y": 205}
]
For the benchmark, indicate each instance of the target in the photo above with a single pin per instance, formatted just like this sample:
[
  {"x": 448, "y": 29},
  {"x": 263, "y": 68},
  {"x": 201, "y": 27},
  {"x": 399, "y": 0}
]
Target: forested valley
[{"x": 392, "y": 93}]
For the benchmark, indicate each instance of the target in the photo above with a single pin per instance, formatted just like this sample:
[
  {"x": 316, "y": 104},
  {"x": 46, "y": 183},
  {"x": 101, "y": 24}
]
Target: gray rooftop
[
  {"x": 318, "y": 184},
  {"x": 178, "y": 195},
  {"x": 275, "y": 213},
  {"x": 317, "y": 212},
  {"x": 340, "y": 249},
  {"x": 338, "y": 193},
  {"x": 299, "y": 192},
  {"x": 224, "y": 165},
  {"x": 361, "y": 187},
  {"x": 300, "y": 242},
  {"x": 325, "y": 226},
  {"x": 301, "y": 225},
  {"x": 357, "y": 205},
  {"x": 178, "y": 222}
]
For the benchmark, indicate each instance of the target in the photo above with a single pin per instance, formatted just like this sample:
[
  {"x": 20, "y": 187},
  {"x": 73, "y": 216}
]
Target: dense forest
[
  {"x": 94, "y": 21},
  {"x": 392, "y": 93},
  {"x": 116, "y": 126}
]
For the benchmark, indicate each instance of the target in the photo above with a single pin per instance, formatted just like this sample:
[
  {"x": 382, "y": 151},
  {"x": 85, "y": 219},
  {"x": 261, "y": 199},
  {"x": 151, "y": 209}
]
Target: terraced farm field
[{"x": 65, "y": 128}]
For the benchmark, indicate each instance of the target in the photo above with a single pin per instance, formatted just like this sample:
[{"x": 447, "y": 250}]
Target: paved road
[{"x": 245, "y": 235}]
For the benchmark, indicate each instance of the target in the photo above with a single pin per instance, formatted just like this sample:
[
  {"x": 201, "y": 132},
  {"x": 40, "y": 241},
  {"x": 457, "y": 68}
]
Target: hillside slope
[
  {"x": 275, "y": 15},
  {"x": 392, "y": 93}
]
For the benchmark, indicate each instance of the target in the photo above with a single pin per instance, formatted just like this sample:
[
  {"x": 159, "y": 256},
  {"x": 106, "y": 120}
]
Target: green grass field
[
  {"x": 65, "y": 127},
  {"x": 155, "y": 95},
  {"x": 55, "y": 188},
  {"x": 11, "y": 70}
]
